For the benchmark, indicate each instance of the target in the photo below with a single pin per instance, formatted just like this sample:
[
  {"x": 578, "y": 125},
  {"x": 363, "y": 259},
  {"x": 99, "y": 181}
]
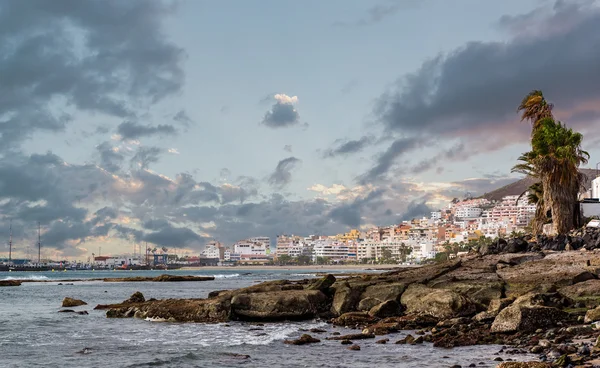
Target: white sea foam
[
  {"x": 227, "y": 276},
  {"x": 28, "y": 277}
]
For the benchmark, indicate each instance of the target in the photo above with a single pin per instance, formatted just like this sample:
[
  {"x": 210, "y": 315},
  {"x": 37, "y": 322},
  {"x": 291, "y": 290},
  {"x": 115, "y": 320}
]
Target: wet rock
[
  {"x": 388, "y": 308},
  {"x": 359, "y": 336},
  {"x": 303, "y": 340},
  {"x": 382, "y": 341},
  {"x": 236, "y": 356},
  {"x": 161, "y": 278},
  {"x": 279, "y": 305},
  {"x": 85, "y": 351},
  {"x": 523, "y": 365},
  {"x": 323, "y": 284},
  {"x": 317, "y": 330},
  {"x": 592, "y": 315},
  {"x": 437, "y": 303},
  {"x": 70, "y": 302},
  {"x": 408, "y": 339},
  {"x": 520, "y": 318},
  {"x": 367, "y": 303},
  {"x": 216, "y": 293},
  {"x": 354, "y": 347},
  {"x": 346, "y": 342},
  {"x": 10, "y": 283},
  {"x": 453, "y": 321},
  {"x": 382, "y": 328},
  {"x": 354, "y": 319},
  {"x": 136, "y": 297},
  {"x": 346, "y": 298}
]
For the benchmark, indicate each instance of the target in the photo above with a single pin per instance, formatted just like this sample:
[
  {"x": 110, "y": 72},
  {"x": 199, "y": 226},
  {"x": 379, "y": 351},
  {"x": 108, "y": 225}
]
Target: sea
[{"x": 34, "y": 334}]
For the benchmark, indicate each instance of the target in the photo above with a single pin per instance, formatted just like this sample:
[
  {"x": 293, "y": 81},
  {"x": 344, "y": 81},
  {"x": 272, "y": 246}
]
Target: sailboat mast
[
  {"x": 10, "y": 243},
  {"x": 39, "y": 243}
]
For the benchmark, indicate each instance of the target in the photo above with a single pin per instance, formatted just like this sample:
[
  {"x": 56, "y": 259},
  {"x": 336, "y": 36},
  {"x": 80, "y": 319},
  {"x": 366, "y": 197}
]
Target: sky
[{"x": 174, "y": 123}]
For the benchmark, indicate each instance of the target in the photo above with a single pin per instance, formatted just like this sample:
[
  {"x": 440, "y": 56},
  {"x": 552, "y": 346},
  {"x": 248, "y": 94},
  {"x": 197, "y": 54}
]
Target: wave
[
  {"x": 226, "y": 276},
  {"x": 29, "y": 277}
]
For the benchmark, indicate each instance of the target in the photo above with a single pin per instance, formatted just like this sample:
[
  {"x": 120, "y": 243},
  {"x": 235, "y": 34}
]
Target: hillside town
[{"x": 447, "y": 231}]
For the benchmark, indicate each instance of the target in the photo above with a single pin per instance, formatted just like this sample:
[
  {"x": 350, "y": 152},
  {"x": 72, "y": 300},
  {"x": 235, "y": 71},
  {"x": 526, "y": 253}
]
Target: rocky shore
[{"x": 528, "y": 295}]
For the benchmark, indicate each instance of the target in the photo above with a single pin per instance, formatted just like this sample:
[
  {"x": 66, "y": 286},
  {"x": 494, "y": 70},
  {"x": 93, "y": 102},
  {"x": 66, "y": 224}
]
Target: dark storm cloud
[
  {"x": 110, "y": 158},
  {"x": 472, "y": 92},
  {"x": 417, "y": 209},
  {"x": 479, "y": 85},
  {"x": 173, "y": 237},
  {"x": 131, "y": 130},
  {"x": 351, "y": 214},
  {"x": 146, "y": 156},
  {"x": 346, "y": 147},
  {"x": 387, "y": 159},
  {"x": 98, "y": 56},
  {"x": 450, "y": 155},
  {"x": 283, "y": 172},
  {"x": 283, "y": 113}
]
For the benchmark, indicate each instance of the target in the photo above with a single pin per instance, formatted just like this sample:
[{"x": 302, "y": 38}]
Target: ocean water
[{"x": 33, "y": 333}]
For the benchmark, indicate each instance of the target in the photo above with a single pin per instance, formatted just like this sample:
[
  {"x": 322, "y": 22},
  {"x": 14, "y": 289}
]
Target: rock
[
  {"x": 497, "y": 305},
  {"x": 70, "y": 302},
  {"x": 408, "y": 339},
  {"x": 382, "y": 341},
  {"x": 354, "y": 319},
  {"x": 526, "y": 319},
  {"x": 437, "y": 303},
  {"x": 323, "y": 284},
  {"x": 388, "y": 308},
  {"x": 453, "y": 321},
  {"x": 592, "y": 315},
  {"x": 174, "y": 310},
  {"x": 136, "y": 297},
  {"x": 346, "y": 342},
  {"x": 346, "y": 298},
  {"x": 10, "y": 283},
  {"x": 382, "y": 328},
  {"x": 523, "y": 365},
  {"x": 161, "y": 278},
  {"x": 586, "y": 291},
  {"x": 367, "y": 303},
  {"x": 303, "y": 340},
  {"x": 354, "y": 347},
  {"x": 360, "y": 336},
  {"x": 484, "y": 316},
  {"x": 216, "y": 293},
  {"x": 317, "y": 330},
  {"x": 279, "y": 305},
  {"x": 82, "y": 313},
  {"x": 384, "y": 291},
  {"x": 555, "y": 270},
  {"x": 236, "y": 355}
]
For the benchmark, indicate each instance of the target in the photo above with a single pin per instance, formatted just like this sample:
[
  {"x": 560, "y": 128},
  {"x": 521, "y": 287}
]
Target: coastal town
[{"x": 445, "y": 233}]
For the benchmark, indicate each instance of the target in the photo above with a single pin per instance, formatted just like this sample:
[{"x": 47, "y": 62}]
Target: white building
[
  {"x": 329, "y": 249},
  {"x": 468, "y": 212},
  {"x": 211, "y": 250},
  {"x": 370, "y": 249},
  {"x": 249, "y": 248},
  {"x": 436, "y": 215}
]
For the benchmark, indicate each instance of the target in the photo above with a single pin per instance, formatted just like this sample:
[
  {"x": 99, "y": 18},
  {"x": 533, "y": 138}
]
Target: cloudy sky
[{"x": 178, "y": 122}]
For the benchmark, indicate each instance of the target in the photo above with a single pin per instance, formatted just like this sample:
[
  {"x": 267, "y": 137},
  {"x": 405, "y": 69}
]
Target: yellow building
[{"x": 354, "y": 234}]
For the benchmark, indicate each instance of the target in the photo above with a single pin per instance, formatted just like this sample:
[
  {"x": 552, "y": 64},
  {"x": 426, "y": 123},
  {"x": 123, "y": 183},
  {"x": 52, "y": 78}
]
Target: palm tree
[
  {"x": 535, "y": 192},
  {"x": 534, "y": 108},
  {"x": 556, "y": 156}
]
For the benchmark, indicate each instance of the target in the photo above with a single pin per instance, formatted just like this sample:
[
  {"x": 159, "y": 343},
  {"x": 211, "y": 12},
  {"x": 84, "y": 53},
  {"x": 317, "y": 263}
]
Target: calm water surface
[{"x": 32, "y": 333}]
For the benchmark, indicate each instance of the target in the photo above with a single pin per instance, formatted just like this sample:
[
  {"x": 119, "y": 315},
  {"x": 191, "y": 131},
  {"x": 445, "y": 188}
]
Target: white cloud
[
  {"x": 285, "y": 99},
  {"x": 335, "y": 189},
  {"x": 173, "y": 151}
]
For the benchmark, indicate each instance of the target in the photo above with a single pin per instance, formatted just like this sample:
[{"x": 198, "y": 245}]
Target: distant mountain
[{"x": 520, "y": 186}]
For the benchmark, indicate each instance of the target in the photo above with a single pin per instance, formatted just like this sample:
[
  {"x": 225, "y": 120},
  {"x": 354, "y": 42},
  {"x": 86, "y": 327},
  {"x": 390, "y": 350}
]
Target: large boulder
[
  {"x": 346, "y": 297},
  {"x": 322, "y": 284},
  {"x": 438, "y": 303},
  {"x": 526, "y": 318},
  {"x": 389, "y": 308},
  {"x": 367, "y": 303},
  {"x": 274, "y": 306},
  {"x": 174, "y": 310},
  {"x": 554, "y": 271},
  {"x": 587, "y": 292},
  {"x": 384, "y": 291},
  {"x": 10, "y": 283},
  {"x": 136, "y": 297},
  {"x": 71, "y": 302}
]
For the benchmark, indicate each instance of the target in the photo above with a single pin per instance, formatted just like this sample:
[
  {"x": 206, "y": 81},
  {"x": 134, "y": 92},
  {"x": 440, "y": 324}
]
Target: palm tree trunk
[
  {"x": 537, "y": 224},
  {"x": 562, "y": 206}
]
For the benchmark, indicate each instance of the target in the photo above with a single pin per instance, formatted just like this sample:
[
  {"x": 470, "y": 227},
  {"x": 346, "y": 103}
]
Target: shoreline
[{"x": 307, "y": 268}]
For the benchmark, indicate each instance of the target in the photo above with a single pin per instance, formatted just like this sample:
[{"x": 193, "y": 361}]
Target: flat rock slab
[{"x": 161, "y": 278}]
